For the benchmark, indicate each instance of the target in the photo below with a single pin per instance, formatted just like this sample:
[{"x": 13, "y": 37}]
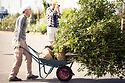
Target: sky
[{"x": 13, "y": 6}]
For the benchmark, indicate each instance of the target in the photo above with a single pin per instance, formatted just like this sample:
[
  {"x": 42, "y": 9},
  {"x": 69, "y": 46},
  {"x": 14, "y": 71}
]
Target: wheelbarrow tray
[{"x": 54, "y": 63}]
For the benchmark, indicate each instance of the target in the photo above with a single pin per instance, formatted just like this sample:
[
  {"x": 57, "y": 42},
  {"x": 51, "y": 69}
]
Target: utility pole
[
  {"x": 20, "y": 3},
  {"x": 122, "y": 17},
  {"x": 0, "y": 3}
]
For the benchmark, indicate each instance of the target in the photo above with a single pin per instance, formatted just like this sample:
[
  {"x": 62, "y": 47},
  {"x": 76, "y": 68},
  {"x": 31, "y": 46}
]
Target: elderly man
[
  {"x": 20, "y": 40},
  {"x": 53, "y": 13}
]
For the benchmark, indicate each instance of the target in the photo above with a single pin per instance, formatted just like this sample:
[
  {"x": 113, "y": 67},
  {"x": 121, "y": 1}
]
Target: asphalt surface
[{"x": 38, "y": 41}]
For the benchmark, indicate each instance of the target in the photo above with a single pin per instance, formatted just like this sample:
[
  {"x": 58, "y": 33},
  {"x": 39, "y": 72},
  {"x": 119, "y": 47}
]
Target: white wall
[{"x": 13, "y": 6}]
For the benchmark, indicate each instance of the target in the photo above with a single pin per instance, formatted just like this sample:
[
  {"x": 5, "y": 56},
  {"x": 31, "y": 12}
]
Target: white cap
[{"x": 25, "y": 8}]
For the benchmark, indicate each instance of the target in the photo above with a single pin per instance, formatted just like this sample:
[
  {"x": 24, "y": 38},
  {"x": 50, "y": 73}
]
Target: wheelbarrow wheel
[{"x": 64, "y": 73}]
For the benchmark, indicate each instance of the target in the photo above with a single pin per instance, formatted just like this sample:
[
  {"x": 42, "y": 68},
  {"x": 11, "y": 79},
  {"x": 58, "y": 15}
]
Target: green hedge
[
  {"x": 36, "y": 23},
  {"x": 94, "y": 34},
  {"x": 39, "y": 26},
  {"x": 8, "y": 23}
]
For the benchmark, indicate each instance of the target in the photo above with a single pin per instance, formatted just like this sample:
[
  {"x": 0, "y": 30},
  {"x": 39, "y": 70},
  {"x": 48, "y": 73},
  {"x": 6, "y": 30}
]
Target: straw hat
[{"x": 55, "y": 2}]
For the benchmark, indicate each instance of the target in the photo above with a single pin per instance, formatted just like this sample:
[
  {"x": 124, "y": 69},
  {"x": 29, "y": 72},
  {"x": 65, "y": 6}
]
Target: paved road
[{"x": 38, "y": 41}]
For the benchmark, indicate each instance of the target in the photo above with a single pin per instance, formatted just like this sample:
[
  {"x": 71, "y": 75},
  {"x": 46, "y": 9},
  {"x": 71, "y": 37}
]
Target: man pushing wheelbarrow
[{"x": 20, "y": 40}]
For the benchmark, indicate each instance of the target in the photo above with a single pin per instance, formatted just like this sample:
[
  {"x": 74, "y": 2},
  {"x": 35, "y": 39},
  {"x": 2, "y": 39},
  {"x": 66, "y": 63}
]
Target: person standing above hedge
[{"x": 53, "y": 13}]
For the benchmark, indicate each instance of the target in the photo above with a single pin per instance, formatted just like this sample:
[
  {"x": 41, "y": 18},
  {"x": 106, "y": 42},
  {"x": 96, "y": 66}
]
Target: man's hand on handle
[{"x": 17, "y": 44}]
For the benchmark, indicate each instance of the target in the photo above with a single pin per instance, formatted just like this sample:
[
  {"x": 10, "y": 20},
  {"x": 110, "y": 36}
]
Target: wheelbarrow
[{"x": 63, "y": 73}]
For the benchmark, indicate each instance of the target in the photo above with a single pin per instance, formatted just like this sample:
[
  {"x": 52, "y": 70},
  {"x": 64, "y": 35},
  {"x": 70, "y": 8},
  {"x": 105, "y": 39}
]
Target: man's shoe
[
  {"x": 32, "y": 77},
  {"x": 15, "y": 79}
]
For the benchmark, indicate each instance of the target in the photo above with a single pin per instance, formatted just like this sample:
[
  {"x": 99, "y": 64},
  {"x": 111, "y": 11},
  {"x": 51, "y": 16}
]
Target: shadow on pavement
[
  {"x": 7, "y": 54},
  {"x": 79, "y": 80}
]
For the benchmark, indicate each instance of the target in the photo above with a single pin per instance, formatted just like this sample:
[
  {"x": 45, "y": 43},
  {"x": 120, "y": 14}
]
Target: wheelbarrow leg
[
  {"x": 46, "y": 73},
  {"x": 71, "y": 64}
]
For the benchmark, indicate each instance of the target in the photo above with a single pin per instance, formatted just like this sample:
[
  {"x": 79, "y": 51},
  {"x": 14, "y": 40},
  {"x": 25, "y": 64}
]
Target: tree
[
  {"x": 45, "y": 4},
  {"x": 94, "y": 34}
]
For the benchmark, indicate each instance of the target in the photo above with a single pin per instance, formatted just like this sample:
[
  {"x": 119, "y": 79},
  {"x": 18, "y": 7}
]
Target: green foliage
[
  {"x": 35, "y": 24},
  {"x": 33, "y": 18},
  {"x": 40, "y": 26},
  {"x": 119, "y": 5},
  {"x": 67, "y": 14},
  {"x": 94, "y": 34},
  {"x": 9, "y": 22},
  {"x": 46, "y": 5}
]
